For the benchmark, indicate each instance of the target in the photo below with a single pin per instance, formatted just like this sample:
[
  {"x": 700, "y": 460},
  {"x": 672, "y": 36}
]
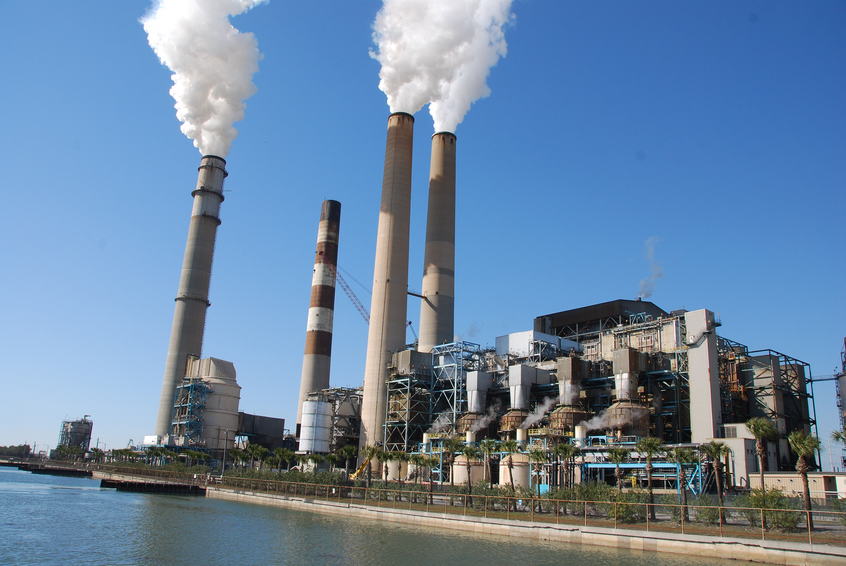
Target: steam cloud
[
  {"x": 489, "y": 417},
  {"x": 212, "y": 62},
  {"x": 604, "y": 420},
  {"x": 536, "y": 415},
  {"x": 441, "y": 424},
  {"x": 647, "y": 286},
  {"x": 438, "y": 52}
]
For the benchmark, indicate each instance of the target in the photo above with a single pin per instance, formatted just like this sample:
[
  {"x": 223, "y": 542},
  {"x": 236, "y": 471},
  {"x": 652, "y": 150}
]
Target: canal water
[{"x": 50, "y": 520}]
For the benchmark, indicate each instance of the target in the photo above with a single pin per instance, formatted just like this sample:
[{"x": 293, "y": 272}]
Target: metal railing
[{"x": 818, "y": 526}]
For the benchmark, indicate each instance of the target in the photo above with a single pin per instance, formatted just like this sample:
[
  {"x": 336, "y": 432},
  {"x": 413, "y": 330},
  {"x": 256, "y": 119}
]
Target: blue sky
[{"x": 717, "y": 127}]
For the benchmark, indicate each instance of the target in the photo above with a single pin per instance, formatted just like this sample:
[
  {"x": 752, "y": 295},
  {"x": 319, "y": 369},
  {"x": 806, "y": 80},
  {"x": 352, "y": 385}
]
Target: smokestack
[
  {"x": 321, "y": 308},
  {"x": 437, "y": 307},
  {"x": 388, "y": 307},
  {"x": 192, "y": 299}
]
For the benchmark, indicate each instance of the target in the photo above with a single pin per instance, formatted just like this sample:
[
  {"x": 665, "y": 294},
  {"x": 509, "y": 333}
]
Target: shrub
[
  {"x": 631, "y": 506},
  {"x": 709, "y": 513},
  {"x": 770, "y": 499}
]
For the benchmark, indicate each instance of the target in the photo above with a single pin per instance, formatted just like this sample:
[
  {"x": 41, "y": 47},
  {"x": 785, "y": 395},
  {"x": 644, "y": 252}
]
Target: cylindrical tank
[
  {"x": 522, "y": 435},
  {"x": 459, "y": 470},
  {"x": 321, "y": 309},
  {"x": 469, "y": 437},
  {"x": 580, "y": 433},
  {"x": 192, "y": 298},
  {"x": 565, "y": 418},
  {"x": 627, "y": 418},
  {"x": 397, "y": 470},
  {"x": 467, "y": 422},
  {"x": 438, "y": 289},
  {"x": 316, "y": 429},
  {"x": 388, "y": 306},
  {"x": 520, "y": 465},
  {"x": 512, "y": 419}
]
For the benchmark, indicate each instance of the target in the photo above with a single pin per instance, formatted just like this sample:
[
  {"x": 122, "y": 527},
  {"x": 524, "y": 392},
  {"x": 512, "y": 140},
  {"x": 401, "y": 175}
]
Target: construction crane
[
  {"x": 359, "y": 306},
  {"x": 352, "y": 296}
]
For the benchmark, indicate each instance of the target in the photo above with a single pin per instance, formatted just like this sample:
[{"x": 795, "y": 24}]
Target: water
[{"x": 49, "y": 520}]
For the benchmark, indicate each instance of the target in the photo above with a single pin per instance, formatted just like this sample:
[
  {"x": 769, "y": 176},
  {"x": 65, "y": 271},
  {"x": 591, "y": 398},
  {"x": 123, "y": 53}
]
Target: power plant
[{"x": 598, "y": 377}]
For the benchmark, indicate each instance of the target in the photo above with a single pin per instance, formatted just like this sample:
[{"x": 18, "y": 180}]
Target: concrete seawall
[{"x": 769, "y": 552}]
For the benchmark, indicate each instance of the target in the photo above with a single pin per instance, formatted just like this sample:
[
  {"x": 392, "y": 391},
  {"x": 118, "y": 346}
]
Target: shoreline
[{"x": 750, "y": 550}]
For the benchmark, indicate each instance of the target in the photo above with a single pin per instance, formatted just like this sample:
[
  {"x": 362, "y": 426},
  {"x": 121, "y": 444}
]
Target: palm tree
[
  {"x": 347, "y": 453},
  {"x": 510, "y": 447},
  {"x": 805, "y": 446},
  {"x": 333, "y": 461},
  {"x": 839, "y": 436},
  {"x": 538, "y": 457},
  {"x": 618, "y": 456},
  {"x": 259, "y": 453},
  {"x": 385, "y": 457},
  {"x": 450, "y": 446},
  {"x": 715, "y": 452},
  {"x": 763, "y": 430},
  {"x": 489, "y": 448},
  {"x": 284, "y": 455},
  {"x": 566, "y": 452},
  {"x": 681, "y": 456},
  {"x": 650, "y": 447},
  {"x": 419, "y": 462},
  {"x": 470, "y": 453},
  {"x": 370, "y": 453}
]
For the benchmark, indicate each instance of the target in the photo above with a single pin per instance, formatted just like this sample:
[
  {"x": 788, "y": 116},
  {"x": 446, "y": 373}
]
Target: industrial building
[
  {"x": 76, "y": 434},
  {"x": 598, "y": 376}
]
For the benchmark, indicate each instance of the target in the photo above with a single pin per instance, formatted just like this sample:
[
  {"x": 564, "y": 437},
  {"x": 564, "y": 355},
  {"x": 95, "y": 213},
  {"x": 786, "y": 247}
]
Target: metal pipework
[
  {"x": 437, "y": 307},
  {"x": 388, "y": 307},
  {"x": 321, "y": 309},
  {"x": 192, "y": 299}
]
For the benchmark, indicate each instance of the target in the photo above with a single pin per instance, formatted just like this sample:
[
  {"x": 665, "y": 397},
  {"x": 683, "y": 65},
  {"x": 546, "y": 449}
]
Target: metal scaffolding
[
  {"x": 450, "y": 364},
  {"x": 188, "y": 409}
]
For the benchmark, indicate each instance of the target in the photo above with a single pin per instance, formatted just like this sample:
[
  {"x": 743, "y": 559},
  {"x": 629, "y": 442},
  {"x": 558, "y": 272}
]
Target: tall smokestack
[
  {"x": 192, "y": 299},
  {"x": 437, "y": 306},
  {"x": 388, "y": 307},
  {"x": 321, "y": 309}
]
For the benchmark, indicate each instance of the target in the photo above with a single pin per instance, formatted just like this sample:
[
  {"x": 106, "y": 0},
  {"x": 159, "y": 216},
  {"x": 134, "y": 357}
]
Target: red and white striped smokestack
[
  {"x": 321, "y": 309},
  {"x": 192, "y": 299},
  {"x": 437, "y": 318},
  {"x": 388, "y": 307}
]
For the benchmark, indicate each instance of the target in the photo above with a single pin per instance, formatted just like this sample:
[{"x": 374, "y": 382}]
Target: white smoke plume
[
  {"x": 647, "y": 286},
  {"x": 212, "y": 62},
  {"x": 486, "y": 420},
  {"x": 571, "y": 392},
  {"x": 438, "y": 52},
  {"x": 605, "y": 421},
  {"x": 539, "y": 412},
  {"x": 441, "y": 424}
]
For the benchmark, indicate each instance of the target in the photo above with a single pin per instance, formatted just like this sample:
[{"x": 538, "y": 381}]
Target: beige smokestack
[
  {"x": 321, "y": 309},
  {"x": 437, "y": 306},
  {"x": 388, "y": 307},
  {"x": 192, "y": 299}
]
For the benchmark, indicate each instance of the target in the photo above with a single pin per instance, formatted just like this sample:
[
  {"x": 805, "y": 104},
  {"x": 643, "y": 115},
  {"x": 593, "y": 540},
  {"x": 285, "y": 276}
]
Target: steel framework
[{"x": 188, "y": 409}]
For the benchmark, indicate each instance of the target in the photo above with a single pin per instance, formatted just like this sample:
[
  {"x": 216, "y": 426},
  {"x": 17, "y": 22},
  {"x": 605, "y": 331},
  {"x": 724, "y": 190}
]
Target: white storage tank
[
  {"x": 316, "y": 427},
  {"x": 477, "y": 471},
  {"x": 520, "y": 465}
]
